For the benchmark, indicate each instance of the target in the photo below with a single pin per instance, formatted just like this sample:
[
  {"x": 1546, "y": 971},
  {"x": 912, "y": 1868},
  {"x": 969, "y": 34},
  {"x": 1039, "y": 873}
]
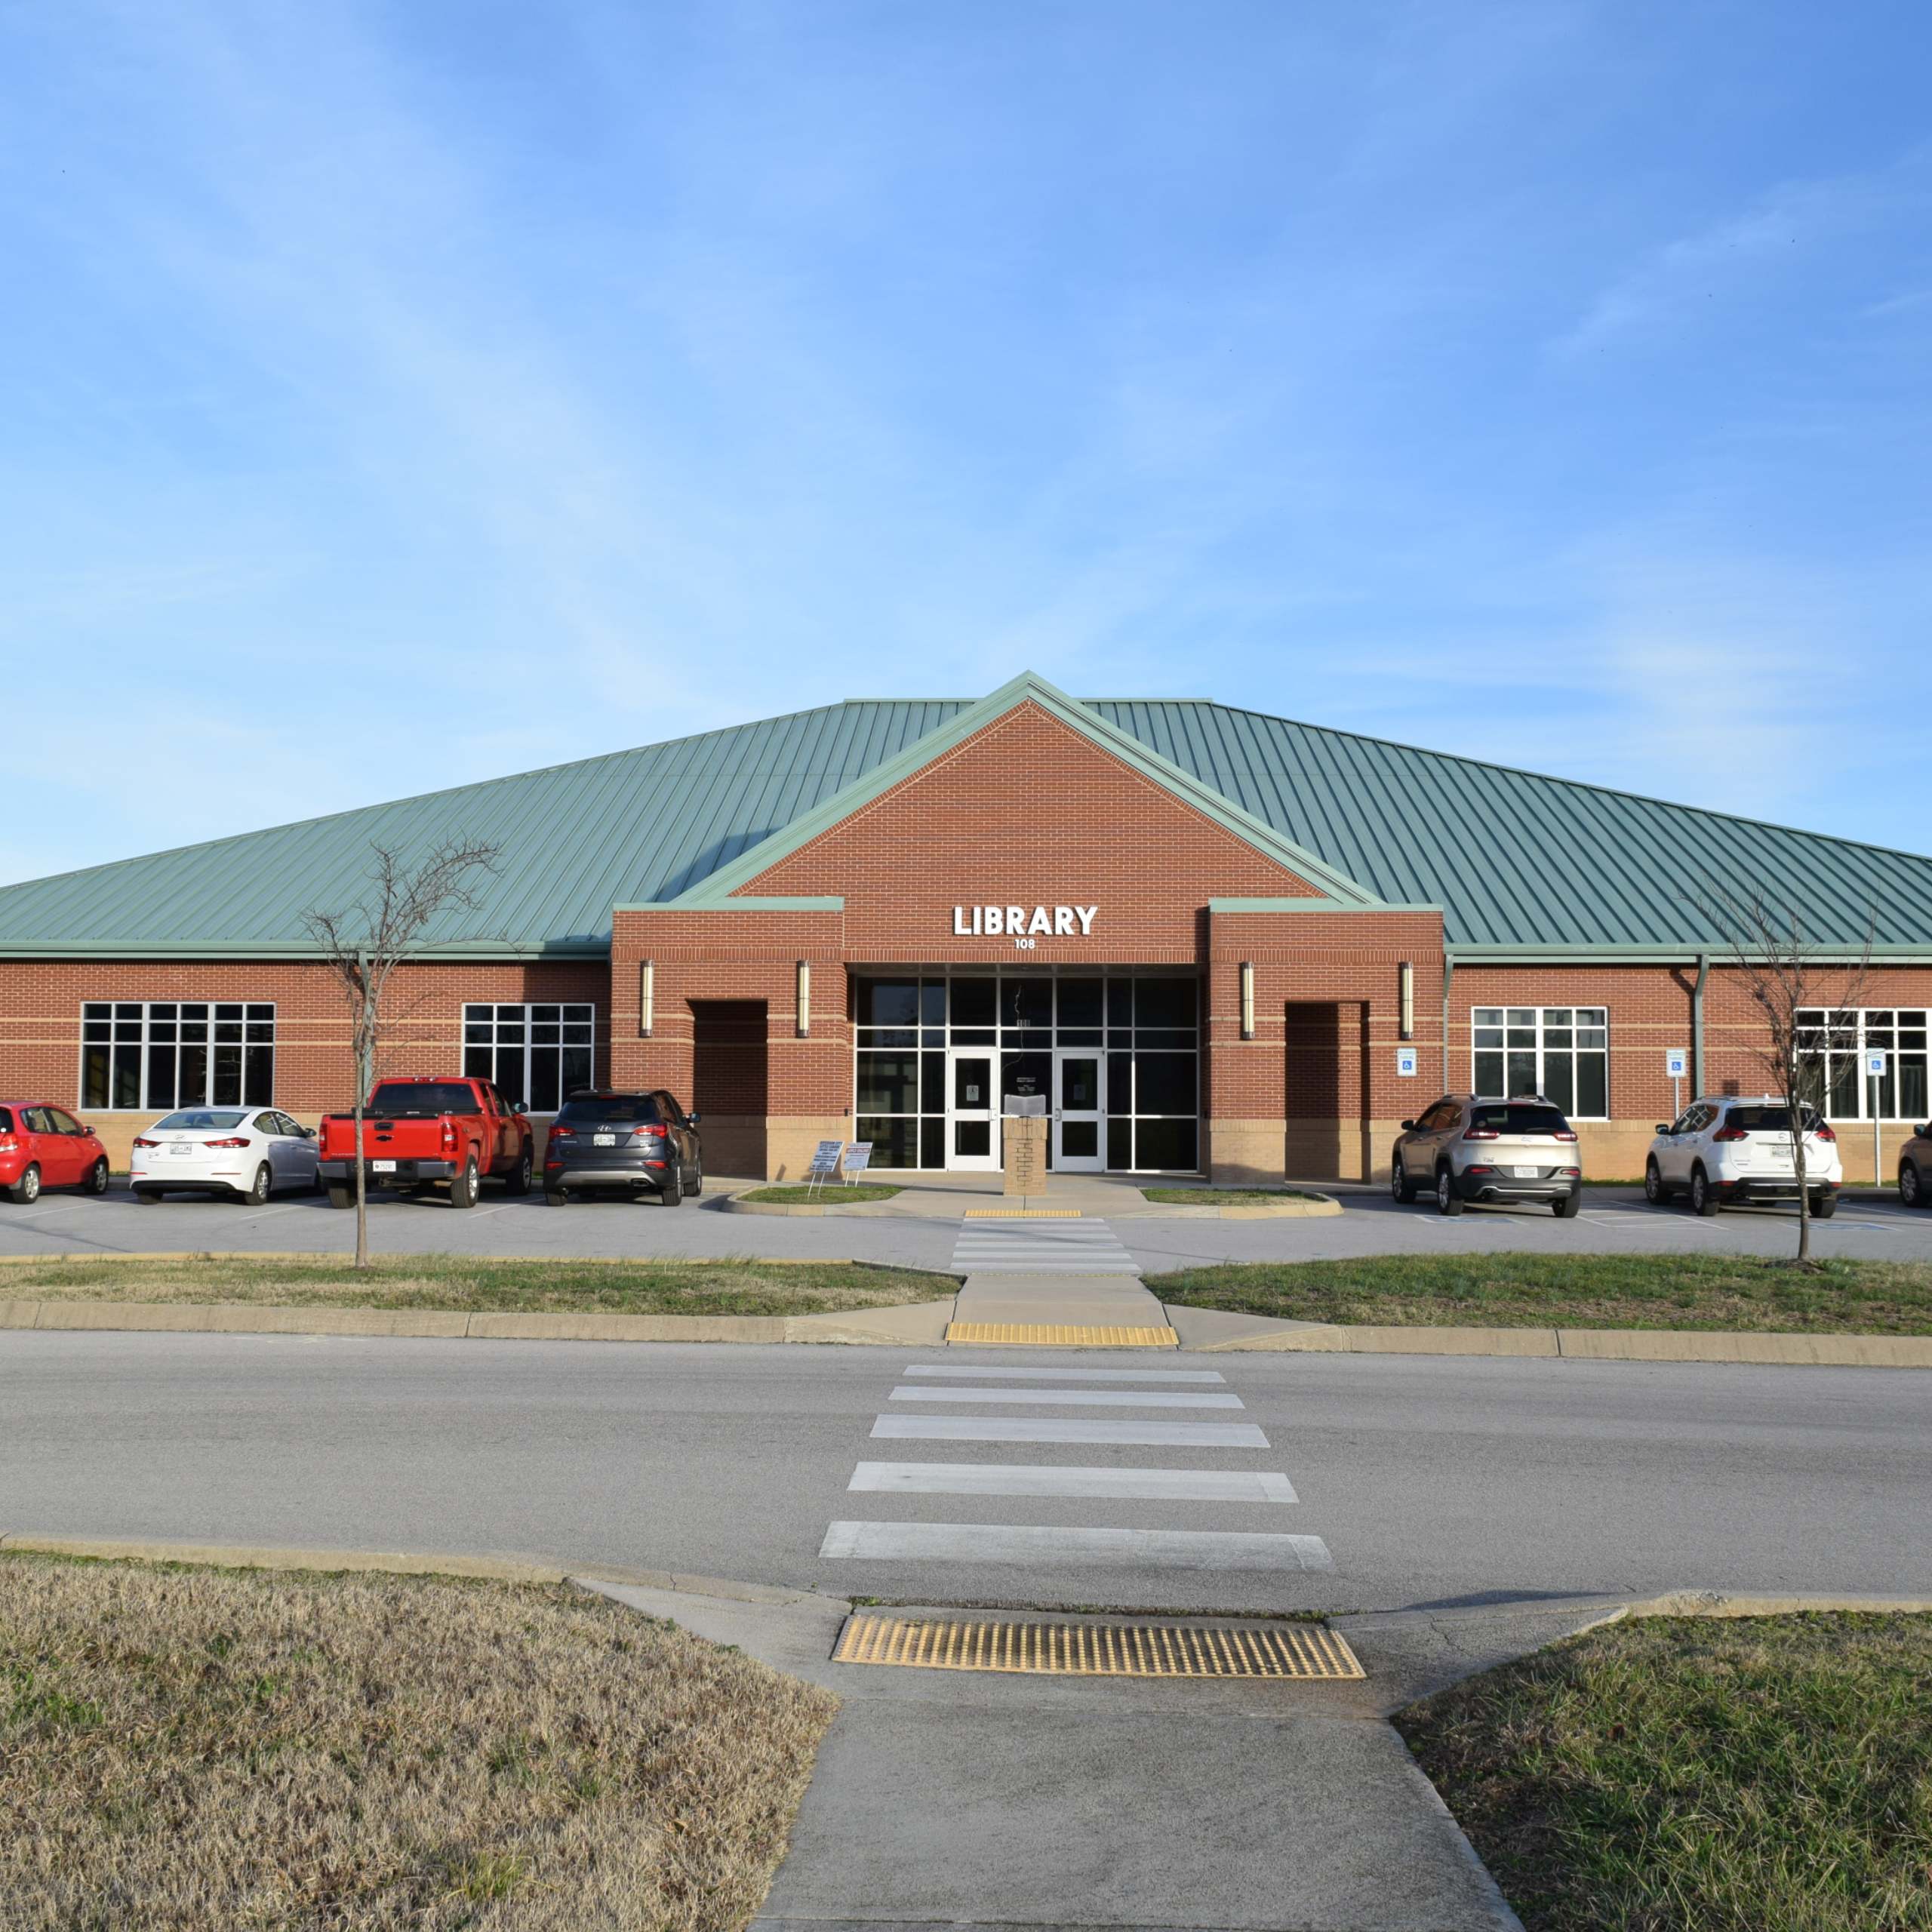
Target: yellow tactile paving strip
[
  {"x": 1059, "y": 1335},
  {"x": 1306, "y": 1652},
  {"x": 1021, "y": 1214}
]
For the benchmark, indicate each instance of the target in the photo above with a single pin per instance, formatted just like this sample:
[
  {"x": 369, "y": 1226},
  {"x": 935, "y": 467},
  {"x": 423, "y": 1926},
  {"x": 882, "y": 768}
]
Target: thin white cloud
[{"x": 1710, "y": 265}]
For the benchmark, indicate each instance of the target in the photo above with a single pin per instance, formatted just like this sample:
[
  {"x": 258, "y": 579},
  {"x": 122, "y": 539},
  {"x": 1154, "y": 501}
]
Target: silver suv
[{"x": 1465, "y": 1149}]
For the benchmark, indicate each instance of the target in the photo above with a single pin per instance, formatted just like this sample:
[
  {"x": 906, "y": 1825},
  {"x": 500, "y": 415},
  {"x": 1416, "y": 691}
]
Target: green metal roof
[{"x": 1517, "y": 860}]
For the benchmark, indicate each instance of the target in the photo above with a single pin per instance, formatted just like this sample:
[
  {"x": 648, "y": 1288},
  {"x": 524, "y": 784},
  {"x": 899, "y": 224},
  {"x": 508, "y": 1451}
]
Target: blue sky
[{"x": 397, "y": 396}]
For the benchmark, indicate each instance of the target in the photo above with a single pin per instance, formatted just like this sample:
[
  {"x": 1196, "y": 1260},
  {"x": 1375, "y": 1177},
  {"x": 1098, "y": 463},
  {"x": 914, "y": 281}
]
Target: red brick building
[{"x": 1212, "y": 940}]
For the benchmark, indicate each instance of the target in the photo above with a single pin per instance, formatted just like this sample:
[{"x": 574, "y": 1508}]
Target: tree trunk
[
  {"x": 363, "y": 1057},
  {"x": 1795, "y": 1101}
]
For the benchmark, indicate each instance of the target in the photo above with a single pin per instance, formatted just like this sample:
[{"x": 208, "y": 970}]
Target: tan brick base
[{"x": 790, "y": 1142}]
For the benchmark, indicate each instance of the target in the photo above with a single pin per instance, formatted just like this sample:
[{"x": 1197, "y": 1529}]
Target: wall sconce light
[
  {"x": 1248, "y": 999},
  {"x": 646, "y": 996},
  {"x": 1407, "y": 977},
  {"x": 805, "y": 999}
]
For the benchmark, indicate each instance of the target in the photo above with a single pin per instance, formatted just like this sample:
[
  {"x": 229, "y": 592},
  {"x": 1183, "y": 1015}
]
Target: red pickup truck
[{"x": 418, "y": 1132}]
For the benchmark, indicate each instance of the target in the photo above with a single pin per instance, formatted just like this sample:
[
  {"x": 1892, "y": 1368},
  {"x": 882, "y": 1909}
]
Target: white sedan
[{"x": 245, "y": 1152}]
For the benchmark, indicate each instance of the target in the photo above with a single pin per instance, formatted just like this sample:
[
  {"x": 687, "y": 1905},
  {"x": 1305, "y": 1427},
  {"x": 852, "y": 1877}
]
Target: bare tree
[
  {"x": 363, "y": 944},
  {"x": 1789, "y": 977}
]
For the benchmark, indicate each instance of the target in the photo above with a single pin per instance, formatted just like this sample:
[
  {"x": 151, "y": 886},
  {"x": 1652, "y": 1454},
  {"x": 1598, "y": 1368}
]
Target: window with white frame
[
  {"x": 1560, "y": 1052},
  {"x": 151, "y": 1056},
  {"x": 538, "y": 1054},
  {"x": 1831, "y": 1047}
]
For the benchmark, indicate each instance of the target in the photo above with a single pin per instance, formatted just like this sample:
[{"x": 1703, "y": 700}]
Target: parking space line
[{"x": 288, "y": 1208}]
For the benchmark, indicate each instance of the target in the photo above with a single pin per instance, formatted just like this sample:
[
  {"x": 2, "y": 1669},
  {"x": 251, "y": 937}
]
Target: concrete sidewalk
[{"x": 945, "y": 1798}]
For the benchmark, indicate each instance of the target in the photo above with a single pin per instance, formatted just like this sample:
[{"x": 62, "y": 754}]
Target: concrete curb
[
  {"x": 849, "y": 1325},
  {"x": 1322, "y": 1206},
  {"x": 808, "y": 1210},
  {"x": 920, "y": 1325},
  {"x": 399, "y": 1563},
  {"x": 1589, "y": 1345}
]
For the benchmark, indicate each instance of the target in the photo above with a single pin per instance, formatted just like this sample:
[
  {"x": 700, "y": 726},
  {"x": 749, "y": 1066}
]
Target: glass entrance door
[
  {"x": 1077, "y": 1122},
  {"x": 972, "y": 1123}
]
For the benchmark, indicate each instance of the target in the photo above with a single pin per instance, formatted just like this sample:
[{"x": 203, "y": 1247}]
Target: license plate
[
  {"x": 1525, "y": 1173},
  {"x": 603, "y": 1140},
  {"x": 180, "y": 1153},
  {"x": 382, "y": 1167},
  {"x": 1779, "y": 1157}
]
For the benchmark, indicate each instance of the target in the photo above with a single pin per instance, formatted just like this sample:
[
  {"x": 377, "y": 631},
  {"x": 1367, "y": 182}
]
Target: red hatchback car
[{"x": 43, "y": 1145}]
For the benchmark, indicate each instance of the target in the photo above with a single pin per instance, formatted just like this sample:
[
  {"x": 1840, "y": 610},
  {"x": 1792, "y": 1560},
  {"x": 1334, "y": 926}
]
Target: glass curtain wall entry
[
  {"x": 152, "y": 1056},
  {"x": 1831, "y": 1047},
  {"x": 1562, "y": 1053},
  {"x": 538, "y": 1054},
  {"x": 933, "y": 1051}
]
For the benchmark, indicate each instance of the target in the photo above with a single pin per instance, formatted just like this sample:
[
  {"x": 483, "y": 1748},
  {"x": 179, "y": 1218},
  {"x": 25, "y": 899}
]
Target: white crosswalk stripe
[
  {"x": 1110, "y": 1398},
  {"x": 1064, "y": 1428},
  {"x": 1070, "y": 1480},
  {"x": 1004, "y": 1542},
  {"x": 935, "y": 1370},
  {"x": 1040, "y": 1248},
  {"x": 1053, "y": 1547}
]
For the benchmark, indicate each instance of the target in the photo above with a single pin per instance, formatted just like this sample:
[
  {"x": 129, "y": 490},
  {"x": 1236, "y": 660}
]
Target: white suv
[{"x": 1728, "y": 1149}]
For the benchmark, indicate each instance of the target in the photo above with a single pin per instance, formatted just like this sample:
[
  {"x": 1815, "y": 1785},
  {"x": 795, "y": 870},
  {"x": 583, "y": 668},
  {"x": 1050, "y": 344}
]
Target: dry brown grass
[
  {"x": 200, "y": 1748},
  {"x": 483, "y": 1284}
]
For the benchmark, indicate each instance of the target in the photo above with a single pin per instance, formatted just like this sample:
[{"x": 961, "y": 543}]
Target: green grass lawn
[
  {"x": 821, "y": 1197},
  {"x": 1761, "y": 1774},
  {"x": 458, "y": 1281},
  {"x": 1503, "y": 1290},
  {"x": 1224, "y": 1197}
]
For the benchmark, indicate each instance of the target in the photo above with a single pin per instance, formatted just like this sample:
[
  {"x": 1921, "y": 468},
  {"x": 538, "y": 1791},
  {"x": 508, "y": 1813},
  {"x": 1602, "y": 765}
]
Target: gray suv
[
  {"x": 1915, "y": 1167},
  {"x": 1466, "y": 1149}
]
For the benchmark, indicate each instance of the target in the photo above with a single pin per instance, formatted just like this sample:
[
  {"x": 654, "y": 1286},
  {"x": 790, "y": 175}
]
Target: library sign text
[{"x": 1023, "y": 925}]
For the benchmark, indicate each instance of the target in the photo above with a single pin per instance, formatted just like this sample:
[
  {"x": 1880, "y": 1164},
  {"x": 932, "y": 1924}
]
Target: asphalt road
[
  {"x": 1421, "y": 1481},
  {"x": 1614, "y": 1219}
]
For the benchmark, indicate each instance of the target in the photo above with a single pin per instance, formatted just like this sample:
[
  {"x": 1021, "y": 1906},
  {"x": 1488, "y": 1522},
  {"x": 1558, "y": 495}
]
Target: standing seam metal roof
[{"x": 1515, "y": 858}]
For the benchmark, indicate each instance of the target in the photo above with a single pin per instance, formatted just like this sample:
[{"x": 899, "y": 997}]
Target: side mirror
[
  {"x": 518, "y": 1107},
  {"x": 691, "y": 1120},
  {"x": 308, "y": 1134},
  {"x": 1408, "y": 1126},
  {"x": 1663, "y": 1127}
]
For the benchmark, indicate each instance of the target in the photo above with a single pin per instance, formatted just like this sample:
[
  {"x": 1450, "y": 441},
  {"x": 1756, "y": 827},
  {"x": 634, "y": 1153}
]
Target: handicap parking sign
[
  {"x": 1405, "y": 1062},
  {"x": 1675, "y": 1061}
]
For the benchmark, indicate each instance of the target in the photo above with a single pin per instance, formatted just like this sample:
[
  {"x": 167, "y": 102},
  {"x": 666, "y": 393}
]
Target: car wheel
[
  {"x": 519, "y": 1182},
  {"x": 97, "y": 1178},
  {"x": 556, "y": 1197},
  {"x": 1568, "y": 1208},
  {"x": 463, "y": 1188},
  {"x": 1447, "y": 1200},
  {"x": 672, "y": 1193},
  {"x": 1911, "y": 1185},
  {"x": 26, "y": 1191},
  {"x": 1400, "y": 1188},
  {"x": 259, "y": 1188},
  {"x": 1655, "y": 1192},
  {"x": 698, "y": 1180},
  {"x": 1823, "y": 1207},
  {"x": 342, "y": 1197},
  {"x": 1703, "y": 1195}
]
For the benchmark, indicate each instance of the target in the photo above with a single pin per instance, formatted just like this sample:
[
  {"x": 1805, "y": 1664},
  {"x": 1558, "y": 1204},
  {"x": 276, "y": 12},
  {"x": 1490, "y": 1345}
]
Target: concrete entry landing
[{"x": 1059, "y": 1311}]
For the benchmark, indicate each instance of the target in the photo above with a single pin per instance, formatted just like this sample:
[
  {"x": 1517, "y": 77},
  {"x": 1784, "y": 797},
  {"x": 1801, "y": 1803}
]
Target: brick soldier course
[{"x": 687, "y": 892}]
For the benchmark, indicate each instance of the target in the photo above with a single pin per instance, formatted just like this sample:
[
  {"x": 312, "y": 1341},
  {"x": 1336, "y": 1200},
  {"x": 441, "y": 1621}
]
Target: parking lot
[{"x": 1613, "y": 1220}]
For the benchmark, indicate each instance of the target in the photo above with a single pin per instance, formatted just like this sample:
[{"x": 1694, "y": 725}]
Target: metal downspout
[
  {"x": 1448, "y": 980},
  {"x": 1697, "y": 1026}
]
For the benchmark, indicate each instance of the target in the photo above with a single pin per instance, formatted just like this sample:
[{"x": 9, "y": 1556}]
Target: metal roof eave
[
  {"x": 298, "y": 949},
  {"x": 1688, "y": 954},
  {"x": 1029, "y": 685}
]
